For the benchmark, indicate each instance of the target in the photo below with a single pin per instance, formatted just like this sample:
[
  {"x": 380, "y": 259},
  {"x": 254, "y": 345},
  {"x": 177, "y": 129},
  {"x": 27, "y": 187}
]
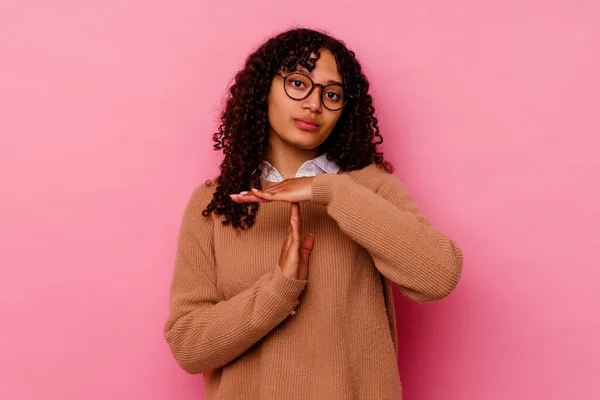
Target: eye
[
  {"x": 332, "y": 96},
  {"x": 297, "y": 83}
]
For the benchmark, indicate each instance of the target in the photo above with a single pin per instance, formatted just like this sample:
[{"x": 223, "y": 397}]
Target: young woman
[{"x": 281, "y": 287}]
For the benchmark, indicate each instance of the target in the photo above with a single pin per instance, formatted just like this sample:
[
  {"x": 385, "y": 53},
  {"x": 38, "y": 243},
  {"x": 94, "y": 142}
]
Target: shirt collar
[
  {"x": 318, "y": 165},
  {"x": 326, "y": 165}
]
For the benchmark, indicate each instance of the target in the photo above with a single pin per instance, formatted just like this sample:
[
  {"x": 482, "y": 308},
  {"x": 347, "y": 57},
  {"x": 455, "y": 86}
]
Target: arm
[
  {"x": 203, "y": 332},
  {"x": 405, "y": 247}
]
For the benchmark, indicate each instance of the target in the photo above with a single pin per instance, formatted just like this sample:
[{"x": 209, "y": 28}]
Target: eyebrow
[{"x": 330, "y": 82}]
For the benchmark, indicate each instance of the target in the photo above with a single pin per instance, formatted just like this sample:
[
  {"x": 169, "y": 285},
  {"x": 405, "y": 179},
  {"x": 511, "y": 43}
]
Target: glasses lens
[
  {"x": 297, "y": 86},
  {"x": 333, "y": 97}
]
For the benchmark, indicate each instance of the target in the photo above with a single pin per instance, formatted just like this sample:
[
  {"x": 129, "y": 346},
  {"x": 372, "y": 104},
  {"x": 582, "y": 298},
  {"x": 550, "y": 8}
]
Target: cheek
[
  {"x": 279, "y": 109},
  {"x": 330, "y": 121}
]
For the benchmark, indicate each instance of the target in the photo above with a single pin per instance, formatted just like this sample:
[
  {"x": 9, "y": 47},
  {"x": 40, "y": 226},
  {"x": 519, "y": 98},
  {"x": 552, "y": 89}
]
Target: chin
[
  {"x": 304, "y": 145},
  {"x": 305, "y": 142}
]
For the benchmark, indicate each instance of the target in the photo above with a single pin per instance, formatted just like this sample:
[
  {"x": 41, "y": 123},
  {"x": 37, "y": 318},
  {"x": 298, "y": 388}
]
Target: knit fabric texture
[{"x": 256, "y": 334}]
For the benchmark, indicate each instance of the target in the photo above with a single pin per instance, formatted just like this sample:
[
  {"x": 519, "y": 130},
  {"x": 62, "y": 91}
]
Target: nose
[{"x": 313, "y": 102}]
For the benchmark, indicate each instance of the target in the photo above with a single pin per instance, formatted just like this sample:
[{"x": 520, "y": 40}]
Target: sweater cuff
[
  {"x": 285, "y": 288},
  {"x": 322, "y": 188}
]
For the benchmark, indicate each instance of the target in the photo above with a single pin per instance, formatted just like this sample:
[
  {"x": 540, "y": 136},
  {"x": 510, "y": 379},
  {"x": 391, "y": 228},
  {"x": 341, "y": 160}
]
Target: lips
[{"x": 306, "y": 123}]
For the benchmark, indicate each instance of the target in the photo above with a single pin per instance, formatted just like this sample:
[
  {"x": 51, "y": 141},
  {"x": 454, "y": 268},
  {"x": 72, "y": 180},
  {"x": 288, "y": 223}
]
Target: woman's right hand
[{"x": 293, "y": 260}]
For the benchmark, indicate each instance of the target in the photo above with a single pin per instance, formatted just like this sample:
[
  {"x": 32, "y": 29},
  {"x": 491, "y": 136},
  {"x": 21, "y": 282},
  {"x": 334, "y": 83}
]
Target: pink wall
[{"x": 489, "y": 110}]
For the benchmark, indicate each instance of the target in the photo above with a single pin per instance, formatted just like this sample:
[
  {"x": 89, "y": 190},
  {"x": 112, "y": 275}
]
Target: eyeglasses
[{"x": 299, "y": 86}]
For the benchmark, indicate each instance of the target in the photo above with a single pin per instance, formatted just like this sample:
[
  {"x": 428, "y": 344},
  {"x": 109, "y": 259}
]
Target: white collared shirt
[{"x": 316, "y": 166}]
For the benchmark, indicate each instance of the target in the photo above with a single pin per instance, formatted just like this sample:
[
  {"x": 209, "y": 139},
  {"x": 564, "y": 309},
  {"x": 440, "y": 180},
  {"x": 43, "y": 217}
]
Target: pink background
[{"x": 489, "y": 110}]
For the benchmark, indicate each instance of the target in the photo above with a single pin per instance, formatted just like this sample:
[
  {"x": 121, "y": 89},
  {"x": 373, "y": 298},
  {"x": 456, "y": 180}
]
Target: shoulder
[
  {"x": 204, "y": 192},
  {"x": 200, "y": 197},
  {"x": 373, "y": 176}
]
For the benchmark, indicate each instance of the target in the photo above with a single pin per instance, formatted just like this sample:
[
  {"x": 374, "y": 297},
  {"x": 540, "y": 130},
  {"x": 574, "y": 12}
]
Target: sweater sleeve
[
  {"x": 204, "y": 332},
  {"x": 405, "y": 247}
]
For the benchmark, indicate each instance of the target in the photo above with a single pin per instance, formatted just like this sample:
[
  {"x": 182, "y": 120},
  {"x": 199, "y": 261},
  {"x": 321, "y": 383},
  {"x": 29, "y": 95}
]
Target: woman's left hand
[{"x": 293, "y": 190}]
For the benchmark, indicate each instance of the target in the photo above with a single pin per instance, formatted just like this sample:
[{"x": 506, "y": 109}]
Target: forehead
[{"x": 325, "y": 68}]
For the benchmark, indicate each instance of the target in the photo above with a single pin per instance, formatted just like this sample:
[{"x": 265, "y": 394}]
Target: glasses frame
[{"x": 285, "y": 76}]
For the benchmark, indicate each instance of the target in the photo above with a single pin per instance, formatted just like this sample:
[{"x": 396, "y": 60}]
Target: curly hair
[{"x": 243, "y": 134}]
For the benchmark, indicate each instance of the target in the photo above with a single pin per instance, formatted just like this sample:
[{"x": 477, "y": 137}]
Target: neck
[{"x": 288, "y": 158}]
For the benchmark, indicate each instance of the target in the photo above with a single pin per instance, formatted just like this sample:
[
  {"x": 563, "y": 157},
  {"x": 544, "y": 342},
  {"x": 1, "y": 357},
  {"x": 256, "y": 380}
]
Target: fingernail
[
  {"x": 254, "y": 189},
  {"x": 243, "y": 192}
]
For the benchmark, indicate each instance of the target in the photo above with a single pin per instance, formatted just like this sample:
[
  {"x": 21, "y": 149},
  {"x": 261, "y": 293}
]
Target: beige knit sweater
[{"x": 256, "y": 334}]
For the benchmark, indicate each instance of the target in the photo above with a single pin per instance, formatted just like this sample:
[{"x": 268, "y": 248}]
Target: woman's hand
[
  {"x": 293, "y": 190},
  {"x": 293, "y": 259}
]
